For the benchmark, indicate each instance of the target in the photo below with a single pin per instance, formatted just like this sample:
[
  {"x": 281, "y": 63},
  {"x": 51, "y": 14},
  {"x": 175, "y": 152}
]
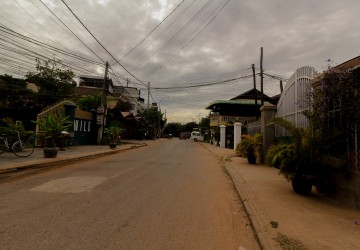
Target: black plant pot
[
  {"x": 112, "y": 145},
  {"x": 251, "y": 158},
  {"x": 301, "y": 185},
  {"x": 50, "y": 152}
]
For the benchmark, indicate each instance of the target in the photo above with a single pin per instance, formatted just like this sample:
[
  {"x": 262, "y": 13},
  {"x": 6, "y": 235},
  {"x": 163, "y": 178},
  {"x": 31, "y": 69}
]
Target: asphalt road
[{"x": 170, "y": 195}]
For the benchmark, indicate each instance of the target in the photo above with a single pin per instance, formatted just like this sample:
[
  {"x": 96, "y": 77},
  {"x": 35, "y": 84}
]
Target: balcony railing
[{"x": 217, "y": 120}]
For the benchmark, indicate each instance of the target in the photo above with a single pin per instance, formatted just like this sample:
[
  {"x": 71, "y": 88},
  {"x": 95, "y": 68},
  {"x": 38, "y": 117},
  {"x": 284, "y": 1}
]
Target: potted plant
[
  {"x": 52, "y": 126},
  {"x": 113, "y": 132},
  {"x": 249, "y": 146},
  {"x": 307, "y": 159}
]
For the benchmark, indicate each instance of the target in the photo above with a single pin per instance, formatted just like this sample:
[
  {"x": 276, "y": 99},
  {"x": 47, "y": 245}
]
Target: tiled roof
[{"x": 85, "y": 91}]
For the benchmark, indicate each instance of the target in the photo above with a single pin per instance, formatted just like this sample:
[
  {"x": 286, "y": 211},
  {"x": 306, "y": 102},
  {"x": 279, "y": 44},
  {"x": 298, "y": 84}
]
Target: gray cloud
[{"x": 292, "y": 33}]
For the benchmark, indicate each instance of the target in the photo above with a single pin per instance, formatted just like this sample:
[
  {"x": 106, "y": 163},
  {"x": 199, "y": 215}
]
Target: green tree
[
  {"x": 204, "y": 125},
  {"x": 55, "y": 83},
  {"x": 190, "y": 126},
  {"x": 152, "y": 116},
  {"x": 16, "y": 101},
  {"x": 89, "y": 102},
  {"x": 173, "y": 128},
  {"x": 153, "y": 120},
  {"x": 335, "y": 102}
]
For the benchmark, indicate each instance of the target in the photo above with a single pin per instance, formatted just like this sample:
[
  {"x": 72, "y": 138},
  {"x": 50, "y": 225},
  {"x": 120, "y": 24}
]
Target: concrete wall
[{"x": 349, "y": 191}]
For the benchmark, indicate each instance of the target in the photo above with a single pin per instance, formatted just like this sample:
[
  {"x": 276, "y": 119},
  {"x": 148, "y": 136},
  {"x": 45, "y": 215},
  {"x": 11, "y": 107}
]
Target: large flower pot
[
  {"x": 50, "y": 152},
  {"x": 301, "y": 185},
  {"x": 112, "y": 145}
]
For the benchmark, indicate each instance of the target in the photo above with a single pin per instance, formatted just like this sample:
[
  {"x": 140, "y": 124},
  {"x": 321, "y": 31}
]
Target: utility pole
[
  {"x": 101, "y": 120},
  {"x": 148, "y": 96},
  {"x": 254, "y": 79},
  {"x": 127, "y": 82},
  {"x": 148, "y": 108},
  {"x": 281, "y": 86},
  {"x": 261, "y": 76}
]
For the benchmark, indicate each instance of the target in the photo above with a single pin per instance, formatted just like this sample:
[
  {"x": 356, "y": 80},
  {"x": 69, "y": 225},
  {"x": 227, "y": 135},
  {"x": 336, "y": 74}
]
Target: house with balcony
[
  {"x": 129, "y": 94},
  {"x": 242, "y": 108},
  {"x": 92, "y": 86}
]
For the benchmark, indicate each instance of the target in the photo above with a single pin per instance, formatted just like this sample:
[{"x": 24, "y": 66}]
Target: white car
[{"x": 196, "y": 136}]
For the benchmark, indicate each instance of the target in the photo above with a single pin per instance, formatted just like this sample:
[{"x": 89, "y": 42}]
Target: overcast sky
[{"x": 199, "y": 42}]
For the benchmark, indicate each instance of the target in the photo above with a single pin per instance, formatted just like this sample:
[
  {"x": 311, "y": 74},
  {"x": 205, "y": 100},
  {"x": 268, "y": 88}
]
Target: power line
[
  {"x": 204, "y": 84},
  {"x": 153, "y": 30},
  {"x": 71, "y": 31},
  {"x": 30, "y": 15},
  {"x": 36, "y": 54},
  {"x": 125, "y": 90},
  {"x": 168, "y": 27},
  {"x": 11, "y": 43},
  {"x": 100, "y": 42},
  {"x": 9, "y": 31},
  {"x": 208, "y": 79},
  {"x": 181, "y": 30},
  {"x": 206, "y": 25},
  {"x": 277, "y": 77}
]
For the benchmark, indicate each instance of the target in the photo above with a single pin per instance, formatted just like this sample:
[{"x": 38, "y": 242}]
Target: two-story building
[
  {"x": 241, "y": 108},
  {"x": 92, "y": 86}
]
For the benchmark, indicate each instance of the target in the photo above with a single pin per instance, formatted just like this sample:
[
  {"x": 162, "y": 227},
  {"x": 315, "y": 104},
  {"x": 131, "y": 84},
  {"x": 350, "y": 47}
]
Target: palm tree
[
  {"x": 248, "y": 146},
  {"x": 307, "y": 159}
]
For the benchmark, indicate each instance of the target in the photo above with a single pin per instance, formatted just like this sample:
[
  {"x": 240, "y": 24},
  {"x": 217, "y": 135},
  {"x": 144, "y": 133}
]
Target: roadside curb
[
  {"x": 65, "y": 160},
  {"x": 258, "y": 216}
]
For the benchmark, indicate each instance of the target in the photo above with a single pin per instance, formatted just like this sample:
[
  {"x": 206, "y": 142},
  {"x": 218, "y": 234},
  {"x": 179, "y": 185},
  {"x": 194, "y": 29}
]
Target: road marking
[
  {"x": 122, "y": 172},
  {"x": 70, "y": 184}
]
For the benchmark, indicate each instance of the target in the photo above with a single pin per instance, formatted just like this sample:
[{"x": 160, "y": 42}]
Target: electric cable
[
  {"x": 203, "y": 84},
  {"x": 168, "y": 27},
  {"x": 29, "y": 53},
  {"x": 101, "y": 43},
  {"x": 181, "y": 30},
  {"x": 9, "y": 31},
  {"x": 192, "y": 39},
  {"x": 72, "y": 31},
  {"x": 152, "y": 30}
]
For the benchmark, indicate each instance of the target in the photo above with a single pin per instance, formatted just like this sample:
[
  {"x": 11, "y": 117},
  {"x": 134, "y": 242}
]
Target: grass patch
[
  {"x": 287, "y": 243},
  {"x": 274, "y": 224},
  {"x": 228, "y": 159}
]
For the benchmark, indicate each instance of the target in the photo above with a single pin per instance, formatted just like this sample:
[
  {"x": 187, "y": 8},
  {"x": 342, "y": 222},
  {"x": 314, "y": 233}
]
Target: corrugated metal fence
[{"x": 293, "y": 100}]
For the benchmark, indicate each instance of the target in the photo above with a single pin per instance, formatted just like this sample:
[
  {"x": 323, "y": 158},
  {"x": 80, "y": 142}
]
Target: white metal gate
[{"x": 293, "y": 100}]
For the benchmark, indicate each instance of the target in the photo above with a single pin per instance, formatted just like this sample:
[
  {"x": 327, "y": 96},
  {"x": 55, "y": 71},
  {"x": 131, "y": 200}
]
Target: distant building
[
  {"x": 129, "y": 94},
  {"x": 92, "y": 86}
]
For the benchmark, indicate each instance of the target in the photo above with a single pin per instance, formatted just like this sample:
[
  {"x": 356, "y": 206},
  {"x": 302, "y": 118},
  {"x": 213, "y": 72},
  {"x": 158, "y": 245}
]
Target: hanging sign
[{"x": 99, "y": 119}]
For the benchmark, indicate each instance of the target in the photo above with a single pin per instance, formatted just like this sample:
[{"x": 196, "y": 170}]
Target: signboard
[
  {"x": 100, "y": 109},
  {"x": 99, "y": 119}
]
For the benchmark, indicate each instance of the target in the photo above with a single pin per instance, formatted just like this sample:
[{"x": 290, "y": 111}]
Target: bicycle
[{"x": 21, "y": 148}]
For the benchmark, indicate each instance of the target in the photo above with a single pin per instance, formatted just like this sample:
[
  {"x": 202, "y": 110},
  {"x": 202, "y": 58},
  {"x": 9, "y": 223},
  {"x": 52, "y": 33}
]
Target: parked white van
[{"x": 196, "y": 136}]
